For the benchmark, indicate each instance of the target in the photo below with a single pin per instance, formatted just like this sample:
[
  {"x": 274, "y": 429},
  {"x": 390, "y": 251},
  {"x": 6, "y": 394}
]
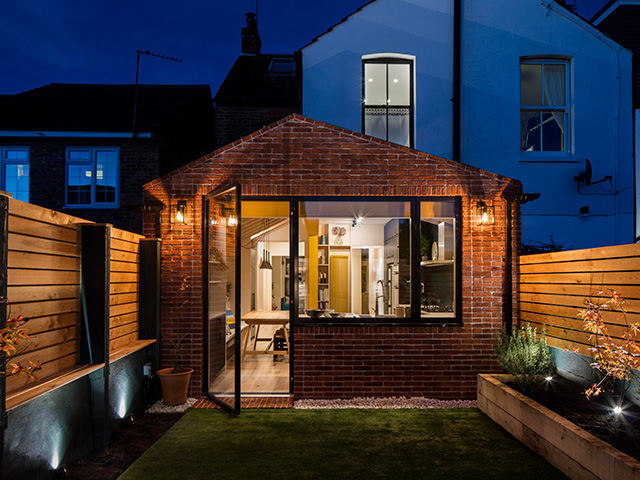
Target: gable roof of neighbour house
[
  {"x": 62, "y": 107},
  {"x": 345, "y": 19},
  {"x": 619, "y": 19},
  {"x": 253, "y": 81}
]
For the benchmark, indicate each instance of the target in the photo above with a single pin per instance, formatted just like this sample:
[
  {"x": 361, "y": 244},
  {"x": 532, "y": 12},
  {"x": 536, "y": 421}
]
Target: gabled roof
[
  {"x": 96, "y": 108},
  {"x": 340, "y": 22},
  {"x": 250, "y": 82},
  {"x": 278, "y": 155}
]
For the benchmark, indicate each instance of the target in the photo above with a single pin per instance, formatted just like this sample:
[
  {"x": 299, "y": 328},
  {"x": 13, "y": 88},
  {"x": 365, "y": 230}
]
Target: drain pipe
[
  {"x": 507, "y": 319},
  {"x": 457, "y": 67}
]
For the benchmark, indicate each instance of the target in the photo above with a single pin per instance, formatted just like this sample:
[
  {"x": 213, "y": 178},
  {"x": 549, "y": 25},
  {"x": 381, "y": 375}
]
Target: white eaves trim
[{"x": 50, "y": 134}]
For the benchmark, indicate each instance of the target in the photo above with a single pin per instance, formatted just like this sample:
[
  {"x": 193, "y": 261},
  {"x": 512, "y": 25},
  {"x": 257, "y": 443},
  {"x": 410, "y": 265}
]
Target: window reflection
[
  {"x": 437, "y": 259},
  {"x": 355, "y": 259}
]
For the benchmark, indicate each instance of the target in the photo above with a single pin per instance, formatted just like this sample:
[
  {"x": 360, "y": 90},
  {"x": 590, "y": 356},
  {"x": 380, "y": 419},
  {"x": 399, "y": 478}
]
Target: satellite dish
[{"x": 585, "y": 177}]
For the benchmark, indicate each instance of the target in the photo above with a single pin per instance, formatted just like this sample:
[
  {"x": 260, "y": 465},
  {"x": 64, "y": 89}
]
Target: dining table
[{"x": 264, "y": 317}]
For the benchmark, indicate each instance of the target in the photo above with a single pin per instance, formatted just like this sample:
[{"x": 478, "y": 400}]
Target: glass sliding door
[{"x": 222, "y": 266}]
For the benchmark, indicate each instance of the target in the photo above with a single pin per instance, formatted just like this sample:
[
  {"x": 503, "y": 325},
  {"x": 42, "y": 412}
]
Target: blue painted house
[{"x": 526, "y": 89}]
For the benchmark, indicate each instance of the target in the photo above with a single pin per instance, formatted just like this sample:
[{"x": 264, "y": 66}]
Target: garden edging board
[{"x": 572, "y": 450}]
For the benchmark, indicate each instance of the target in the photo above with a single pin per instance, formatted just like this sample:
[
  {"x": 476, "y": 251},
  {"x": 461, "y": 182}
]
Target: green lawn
[{"x": 338, "y": 444}]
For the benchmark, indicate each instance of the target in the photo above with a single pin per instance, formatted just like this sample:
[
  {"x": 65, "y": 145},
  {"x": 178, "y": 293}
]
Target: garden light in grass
[
  {"x": 548, "y": 379},
  {"x": 617, "y": 409}
]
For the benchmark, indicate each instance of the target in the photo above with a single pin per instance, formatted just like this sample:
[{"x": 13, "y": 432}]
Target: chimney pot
[{"x": 251, "y": 42}]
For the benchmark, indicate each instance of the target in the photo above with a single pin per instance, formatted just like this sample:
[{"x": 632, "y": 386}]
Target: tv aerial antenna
[{"x": 135, "y": 92}]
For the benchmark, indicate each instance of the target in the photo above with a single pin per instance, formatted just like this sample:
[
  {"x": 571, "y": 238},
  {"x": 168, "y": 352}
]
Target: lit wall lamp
[
  {"x": 179, "y": 213},
  {"x": 485, "y": 214}
]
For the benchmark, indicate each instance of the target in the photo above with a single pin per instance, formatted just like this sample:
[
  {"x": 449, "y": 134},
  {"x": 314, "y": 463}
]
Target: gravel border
[
  {"x": 160, "y": 407},
  {"x": 386, "y": 402}
]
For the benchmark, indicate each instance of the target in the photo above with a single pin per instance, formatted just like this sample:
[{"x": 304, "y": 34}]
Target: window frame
[
  {"x": 4, "y": 162},
  {"x": 549, "y": 155},
  {"x": 390, "y": 59},
  {"x": 93, "y": 163},
  {"x": 416, "y": 319}
]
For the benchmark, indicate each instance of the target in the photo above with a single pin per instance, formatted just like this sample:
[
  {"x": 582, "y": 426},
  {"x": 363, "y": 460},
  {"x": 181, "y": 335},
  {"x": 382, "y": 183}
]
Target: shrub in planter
[{"x": 525, "y": 355}]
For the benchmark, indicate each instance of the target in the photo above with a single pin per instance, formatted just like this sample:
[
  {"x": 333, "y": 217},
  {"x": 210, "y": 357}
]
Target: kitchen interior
[{"x": 354, "y": 261}]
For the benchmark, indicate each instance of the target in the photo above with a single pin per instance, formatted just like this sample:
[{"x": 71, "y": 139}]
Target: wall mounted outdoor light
[
  {"x": 485, "y": 214},
  {"x": 179, "y": 213}
]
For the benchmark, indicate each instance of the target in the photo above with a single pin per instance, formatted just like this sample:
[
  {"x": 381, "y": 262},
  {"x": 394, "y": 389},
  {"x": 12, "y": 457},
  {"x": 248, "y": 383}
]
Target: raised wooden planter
[{"x": 570, "y": 449}]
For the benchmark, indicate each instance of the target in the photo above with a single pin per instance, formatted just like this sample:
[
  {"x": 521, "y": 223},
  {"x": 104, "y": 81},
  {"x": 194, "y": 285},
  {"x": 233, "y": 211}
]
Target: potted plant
[{"x": 174, "y": 380}]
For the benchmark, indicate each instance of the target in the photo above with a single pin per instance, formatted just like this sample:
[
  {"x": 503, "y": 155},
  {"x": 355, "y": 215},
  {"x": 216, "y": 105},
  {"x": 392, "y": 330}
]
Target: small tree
[
  {"x": 524, "y": 355},
  {"x": 11, "y": 334},
  {"x": 617, "y": 359}
]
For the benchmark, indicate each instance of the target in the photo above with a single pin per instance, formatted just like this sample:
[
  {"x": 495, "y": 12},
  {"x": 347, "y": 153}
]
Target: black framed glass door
[{"x": 222, "y": 313}]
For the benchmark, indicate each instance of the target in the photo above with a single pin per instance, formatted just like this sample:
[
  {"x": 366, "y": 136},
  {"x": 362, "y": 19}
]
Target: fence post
[
  {"x": 4, "y": 253},
  {"x": 150, "y": 307},
  {"x": 94, "y": 344}
]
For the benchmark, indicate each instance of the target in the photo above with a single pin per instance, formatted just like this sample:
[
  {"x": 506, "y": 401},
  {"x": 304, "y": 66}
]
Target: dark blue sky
[{"x": 95, "y": 41}]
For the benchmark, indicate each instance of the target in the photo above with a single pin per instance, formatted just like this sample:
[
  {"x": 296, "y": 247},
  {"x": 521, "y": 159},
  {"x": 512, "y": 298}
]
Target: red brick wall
[
  {"x": 299, "y": 156},
  {"x": 138, "y": 164}
]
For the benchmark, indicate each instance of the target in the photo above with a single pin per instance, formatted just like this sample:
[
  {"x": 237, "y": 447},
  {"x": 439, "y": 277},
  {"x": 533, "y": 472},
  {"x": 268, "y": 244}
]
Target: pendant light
[{"x": 265, "y": 264}]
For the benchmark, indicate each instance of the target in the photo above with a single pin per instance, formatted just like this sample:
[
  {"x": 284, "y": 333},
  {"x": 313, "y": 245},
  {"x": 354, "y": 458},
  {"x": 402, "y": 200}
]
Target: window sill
[
  {"x": 378, "y": 322},
  {"x": 541, "y": 157}
]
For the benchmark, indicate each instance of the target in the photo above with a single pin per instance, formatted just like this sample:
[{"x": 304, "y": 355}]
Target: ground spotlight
[
  {"x": 61, "y": 472},
  {"x": 548, "y": 379},
  {"x": 127, "y": 421},
  {"x": 617, "y": 409}
]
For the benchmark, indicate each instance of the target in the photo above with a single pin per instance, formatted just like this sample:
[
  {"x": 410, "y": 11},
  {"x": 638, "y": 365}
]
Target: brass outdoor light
[
  {"x": 485, "y": 214},
  {"x": 179, "y": 213}
]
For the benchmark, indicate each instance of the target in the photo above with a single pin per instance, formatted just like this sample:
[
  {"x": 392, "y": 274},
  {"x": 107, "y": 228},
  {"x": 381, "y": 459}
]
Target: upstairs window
[
  {"x": 387, "y": 111},
  {"x": 92, "y": 177},
  {"x": 544, "y": 106},
  {"x": 14, "y": 172}
]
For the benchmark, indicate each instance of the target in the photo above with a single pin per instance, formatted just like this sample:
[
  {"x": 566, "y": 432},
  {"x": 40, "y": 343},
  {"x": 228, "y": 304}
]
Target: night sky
[{"x": 95, "y": 41}]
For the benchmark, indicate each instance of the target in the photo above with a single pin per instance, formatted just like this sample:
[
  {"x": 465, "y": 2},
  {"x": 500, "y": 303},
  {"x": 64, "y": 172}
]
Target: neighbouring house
[
  {"x": 258, "y": 90},
  {"x": 619, "y": 19},
  {"x": 526, "y": 89},
  {"x": 75, "y": 148},
  {"x": 334, "y": 264}
]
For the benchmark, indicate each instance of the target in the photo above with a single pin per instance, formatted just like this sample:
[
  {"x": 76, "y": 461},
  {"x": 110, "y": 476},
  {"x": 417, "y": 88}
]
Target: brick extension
[{"x": 298, "y": 156}]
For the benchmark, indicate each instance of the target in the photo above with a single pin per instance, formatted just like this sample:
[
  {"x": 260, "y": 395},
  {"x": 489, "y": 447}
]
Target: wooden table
[{"x": 256, "y": 317}]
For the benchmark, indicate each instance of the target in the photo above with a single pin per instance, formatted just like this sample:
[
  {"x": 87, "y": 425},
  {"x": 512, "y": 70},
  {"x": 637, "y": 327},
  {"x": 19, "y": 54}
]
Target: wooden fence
[
  {"x": 124, "y": 297},
  {"x": 553, "y": 288},
  {"x": 43, "y": 274}
]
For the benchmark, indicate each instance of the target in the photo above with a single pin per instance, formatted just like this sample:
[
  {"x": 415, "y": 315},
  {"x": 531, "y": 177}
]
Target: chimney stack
[{"x": 250, "y": 37}]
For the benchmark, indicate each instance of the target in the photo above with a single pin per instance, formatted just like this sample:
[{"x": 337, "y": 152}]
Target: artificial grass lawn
[{"x": 338, "y": 444}]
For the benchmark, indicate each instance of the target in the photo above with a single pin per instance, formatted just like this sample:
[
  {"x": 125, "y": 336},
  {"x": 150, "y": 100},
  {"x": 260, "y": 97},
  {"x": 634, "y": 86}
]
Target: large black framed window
[
  {"x": 373, "y": 260},
  {"x": 387, "y": 99}
]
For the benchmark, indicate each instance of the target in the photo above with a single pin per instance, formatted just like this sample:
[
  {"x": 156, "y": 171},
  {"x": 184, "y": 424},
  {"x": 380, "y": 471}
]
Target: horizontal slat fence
[
  {"x": 43, "y": 284},
  {"x": 553, "y": 288},
  {"x": 124, "y": 292}
]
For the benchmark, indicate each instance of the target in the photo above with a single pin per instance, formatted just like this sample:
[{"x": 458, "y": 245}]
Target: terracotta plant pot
[{"x": 174, "y": 386}]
